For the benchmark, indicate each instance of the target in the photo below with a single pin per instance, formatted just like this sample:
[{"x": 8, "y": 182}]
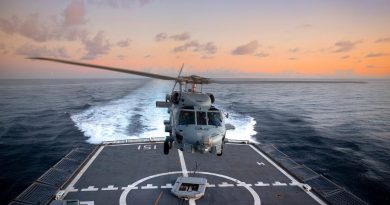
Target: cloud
[
  {"x": 96, "y": 46},
  {"x": 34, "y": 28},
  {"x": 374, "y": 55},
  {"x": 124, "y": 43},
  {"x": 344, "y": 57},
  {"x": 261, "y": 54},
  {"x": 245, "y": 49},
  {"x": 293, "y": 50},
  {"x": 42, "y": 51},
  {"x": 120, "y": 3},
  {"x": 73, "y": 34},
  {"x": 344, "y": 46},
  {"x": 177, "y": 37},
  {"x": 147, "y": 56},
  {"x": 207, "y": 48},
  {"x": 181, "y": 37},
  {"x": 74, "y": 13},
  {"x": 10, "y": 26},
  {"x": 70, "y": 26},
  {"x": 186, "y": 46},
  {"x": 292, "y": 59},
  {"x": 31, "y": 28},
  {"x": 383, "y": 40},
  {"x": 161, "y": 37}
]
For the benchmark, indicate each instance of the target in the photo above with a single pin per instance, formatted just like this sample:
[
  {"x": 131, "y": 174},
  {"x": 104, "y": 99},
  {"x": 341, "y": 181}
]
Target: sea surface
[{"x": 339, "y": 130}]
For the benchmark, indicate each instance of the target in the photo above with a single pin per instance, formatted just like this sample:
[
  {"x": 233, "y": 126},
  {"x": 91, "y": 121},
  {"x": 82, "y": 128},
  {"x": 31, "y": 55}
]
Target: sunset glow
[{"x": 282, "y": 38}]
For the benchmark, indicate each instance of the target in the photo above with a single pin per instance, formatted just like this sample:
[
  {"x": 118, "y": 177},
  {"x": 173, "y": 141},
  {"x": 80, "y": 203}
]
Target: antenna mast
[{"x": 181, "y": 69}]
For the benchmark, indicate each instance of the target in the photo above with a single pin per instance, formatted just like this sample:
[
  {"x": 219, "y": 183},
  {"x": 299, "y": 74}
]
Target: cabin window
[
  {"x": 201, "y": 118},
  {"x": 187, "y": 118},
  {"x": 214, "y": 118}
]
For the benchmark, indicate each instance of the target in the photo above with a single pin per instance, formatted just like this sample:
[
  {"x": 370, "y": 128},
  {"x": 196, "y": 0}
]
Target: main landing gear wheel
[
  {"x": 166, "y": 147},
  {"x": 220, "y": 153}
]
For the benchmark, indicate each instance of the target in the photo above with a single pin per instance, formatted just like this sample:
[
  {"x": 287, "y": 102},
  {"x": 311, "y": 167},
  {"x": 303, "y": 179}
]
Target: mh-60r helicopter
[{"x": 195, "y": 125}]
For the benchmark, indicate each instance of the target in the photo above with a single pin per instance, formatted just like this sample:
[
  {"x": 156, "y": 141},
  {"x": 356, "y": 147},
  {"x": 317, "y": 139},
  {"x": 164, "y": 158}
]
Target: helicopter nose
[
  {"x": 205, "y": 144},
  {"x": 206, "y": 141}
]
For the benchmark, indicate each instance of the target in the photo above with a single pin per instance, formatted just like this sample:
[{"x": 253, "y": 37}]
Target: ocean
[{"x": 339, "y": 130}]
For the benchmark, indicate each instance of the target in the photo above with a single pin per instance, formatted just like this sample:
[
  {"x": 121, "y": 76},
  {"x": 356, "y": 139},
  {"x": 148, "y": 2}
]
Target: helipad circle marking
[{"x": 126, "y": 191}]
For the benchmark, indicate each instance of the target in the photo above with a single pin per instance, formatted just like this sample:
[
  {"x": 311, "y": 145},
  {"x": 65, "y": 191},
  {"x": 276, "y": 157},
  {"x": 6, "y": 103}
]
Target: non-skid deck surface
[{"x": 142, "y": 174}]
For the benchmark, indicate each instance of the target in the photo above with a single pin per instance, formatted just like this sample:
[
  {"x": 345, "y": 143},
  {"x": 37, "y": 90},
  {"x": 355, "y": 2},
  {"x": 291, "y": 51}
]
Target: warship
[{"x": 136, "y": 172}]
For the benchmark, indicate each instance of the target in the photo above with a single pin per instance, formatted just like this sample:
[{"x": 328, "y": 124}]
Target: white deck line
[
  {"x": 136, "y": 143},
  {"x": 185, "y": 172},
  {"x": 300, "y": 185},
  {"x": 82, "y": 171},
  {"x": 183, "y": 164}
]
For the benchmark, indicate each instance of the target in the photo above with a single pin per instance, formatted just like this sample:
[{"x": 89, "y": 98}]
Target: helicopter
[{"x": 195, "y": 124}]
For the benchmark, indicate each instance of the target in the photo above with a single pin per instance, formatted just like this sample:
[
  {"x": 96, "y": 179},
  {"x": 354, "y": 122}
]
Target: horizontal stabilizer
[{"x": 163, "y": 104}]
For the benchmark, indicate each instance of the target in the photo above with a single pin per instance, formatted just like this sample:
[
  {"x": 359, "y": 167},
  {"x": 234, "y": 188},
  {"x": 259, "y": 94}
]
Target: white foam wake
[
  {"x": 244, "y": 127},
  {"x": 111, "y": 121}
]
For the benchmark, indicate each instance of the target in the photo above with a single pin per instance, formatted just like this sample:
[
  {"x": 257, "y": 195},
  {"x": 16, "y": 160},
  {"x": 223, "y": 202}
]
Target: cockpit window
[
  {"x": 187, "y": 118},
  {"x": 201, "y": 118},
  {"x": 214, "y": 118}
]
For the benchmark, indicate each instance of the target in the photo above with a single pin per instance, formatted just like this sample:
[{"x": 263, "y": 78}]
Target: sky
[{"x": 216, "y": 38}]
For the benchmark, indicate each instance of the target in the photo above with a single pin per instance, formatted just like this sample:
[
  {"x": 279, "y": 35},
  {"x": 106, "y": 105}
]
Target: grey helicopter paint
[{"x": 194, "y": 124}]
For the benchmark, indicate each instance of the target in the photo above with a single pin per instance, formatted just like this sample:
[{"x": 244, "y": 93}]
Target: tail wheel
[{"x": 166, "y": 147}]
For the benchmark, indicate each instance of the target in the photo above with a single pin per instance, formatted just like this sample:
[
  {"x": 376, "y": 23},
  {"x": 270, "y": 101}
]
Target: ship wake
[{"x": 136, "y": 116}]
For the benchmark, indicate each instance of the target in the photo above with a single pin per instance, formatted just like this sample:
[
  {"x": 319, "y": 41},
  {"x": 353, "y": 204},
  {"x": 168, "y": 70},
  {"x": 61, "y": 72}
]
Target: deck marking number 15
[{"x": 147, "y": 147}]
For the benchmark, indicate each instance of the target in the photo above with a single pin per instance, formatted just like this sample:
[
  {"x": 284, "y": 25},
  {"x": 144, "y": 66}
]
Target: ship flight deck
[
  {"x": 141, "y": 174},
  {"x": 127, "y": 173}
]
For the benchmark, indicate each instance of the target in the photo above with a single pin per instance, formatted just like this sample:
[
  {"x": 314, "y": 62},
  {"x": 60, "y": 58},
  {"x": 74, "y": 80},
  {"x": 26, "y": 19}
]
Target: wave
[
  {"x": 244, "y": 127},
  {"x": 113, "y": 120}
]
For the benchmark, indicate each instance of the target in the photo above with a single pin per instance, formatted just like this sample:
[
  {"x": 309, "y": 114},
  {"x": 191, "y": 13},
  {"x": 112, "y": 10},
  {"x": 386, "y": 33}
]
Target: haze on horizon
[{"x": 266, "y": 39}]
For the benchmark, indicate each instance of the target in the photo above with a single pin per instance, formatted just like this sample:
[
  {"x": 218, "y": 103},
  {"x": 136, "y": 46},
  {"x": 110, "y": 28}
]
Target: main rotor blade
[
  {"x": 263, "y": 81},
  {"x": 134, "y": 72}
]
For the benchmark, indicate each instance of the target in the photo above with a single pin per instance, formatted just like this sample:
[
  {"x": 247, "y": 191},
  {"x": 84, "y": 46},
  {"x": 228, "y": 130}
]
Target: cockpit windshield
[
  {"x": 201, "y": 118},
  {"x": 187, "y": 117},
  {"x": 214, "y": 118}
]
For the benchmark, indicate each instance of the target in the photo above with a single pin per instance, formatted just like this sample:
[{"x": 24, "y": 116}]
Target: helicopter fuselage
[{"x": 195, "y": 125}]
